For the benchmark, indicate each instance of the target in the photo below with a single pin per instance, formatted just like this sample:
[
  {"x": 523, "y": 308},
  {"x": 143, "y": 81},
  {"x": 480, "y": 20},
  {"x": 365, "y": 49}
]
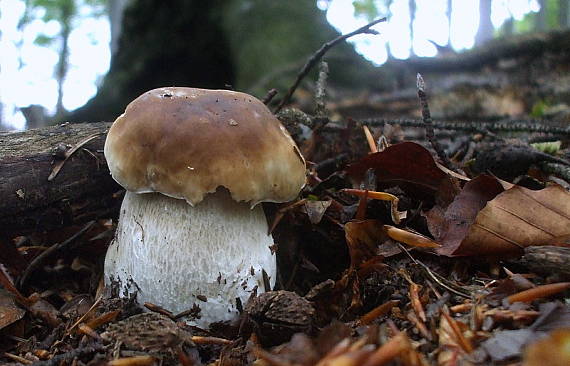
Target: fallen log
[{"x": 55, "y": 176}]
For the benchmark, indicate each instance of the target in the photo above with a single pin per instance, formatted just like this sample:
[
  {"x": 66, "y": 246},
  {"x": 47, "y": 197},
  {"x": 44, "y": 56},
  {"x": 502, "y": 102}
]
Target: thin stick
[
  {"x": 54, "y": 248},
  {"x": 320, "y": 93},
  {"x": 426, "y": 115},
  {"x": 58, "y": 165},
  {"x": 269, "y": 96},
  {"x": 320, "y": 53},
  {"x": 507, "y": 125}
]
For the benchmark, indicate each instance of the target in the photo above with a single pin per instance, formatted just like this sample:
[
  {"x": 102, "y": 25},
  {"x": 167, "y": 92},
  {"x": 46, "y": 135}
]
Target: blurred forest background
[{"x": 252, "y": 45}]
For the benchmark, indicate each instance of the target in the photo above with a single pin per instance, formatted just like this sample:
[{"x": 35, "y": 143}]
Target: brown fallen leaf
[
  {"x": 553, "y": 350},
  {"x": 487, "y": 219},
  {"x": 10, "y": 312},
  {"x": 450, "y": 226},
  {"x": 408, "y": 165},
  {"x": 363, "y": 238}
]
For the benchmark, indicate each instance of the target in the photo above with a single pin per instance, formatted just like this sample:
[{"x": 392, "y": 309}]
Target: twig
[
  {"x": 436, "y": 277},
  {"x": 269, "y": 96},
  {"x": 68, "y": 356},
  {"x": 320, "y": 53},
  {"x": 477, "y": 126},
  {"x": 17, "y": 358},
  {"x": 553, "y": 168},
  {"x": 320, "y": 118},
  {"x": 95, "y": 304},
  {"x": 426, "y": 115},
  {"x": 54, "y": 248},
  {"x": 320, "y": 93},
  {"x": 291, "y": 117},
  {"x": 334, "y": 163},
  {"x": 59, "y": 164}
]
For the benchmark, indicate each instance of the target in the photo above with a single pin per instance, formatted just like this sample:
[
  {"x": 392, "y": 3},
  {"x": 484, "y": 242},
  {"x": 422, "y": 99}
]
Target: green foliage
[
  {"x": 43, "y": 40},
  {"x": 550, "y": 147},
  {"x": 526, "y": 24},
  {"x": 366, "y": 8},
  {"x": 62, "y": 11},
  {"x": 539, "y": 108},
  {"x": 371, "y": 9},
  {"x": 552, "y": 8}
]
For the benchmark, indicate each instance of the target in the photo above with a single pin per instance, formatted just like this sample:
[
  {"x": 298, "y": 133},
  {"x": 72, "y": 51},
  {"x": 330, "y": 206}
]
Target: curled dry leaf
[
  {"x": 553, "y": 350},
  {"x": 382, "y": 196},
  {"x": 363, "y": 238},
  {"x": 488, "y": 219},
  {"x": 316, "y": 210},
  {"x": 408, "y": 165},
  {"x": 10, "y": 312},
  {"x": 410, "y": 238}
]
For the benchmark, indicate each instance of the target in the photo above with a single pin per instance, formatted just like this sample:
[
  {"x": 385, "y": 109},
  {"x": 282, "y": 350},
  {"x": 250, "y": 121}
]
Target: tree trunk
[
  {"x": 541, "y": 17},
  {"x": 68, "y": 11},
  {"x": 412, "y": 7},
  {"x": 115, "y": 9},
  {"x": 485, "y": 31},
  {"x": 162, "y": 43},
  {"x": 252, "y": 45},
  {"x": 448, "y": 12},
  {"x": 508, "y": 27},
  {"x": 563, "y": 9},
  {"x": 82, "y": 190}
]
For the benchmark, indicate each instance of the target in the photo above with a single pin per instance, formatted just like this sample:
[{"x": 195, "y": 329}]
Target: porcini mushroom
[{"x": 196, "y": 163}]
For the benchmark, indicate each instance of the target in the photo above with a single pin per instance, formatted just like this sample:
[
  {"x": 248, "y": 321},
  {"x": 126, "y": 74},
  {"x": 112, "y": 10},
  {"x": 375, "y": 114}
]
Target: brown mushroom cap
[{"x": 187, "y": 142}]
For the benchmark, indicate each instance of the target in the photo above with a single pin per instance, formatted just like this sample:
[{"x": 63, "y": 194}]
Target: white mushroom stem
[{"x": 175, "y": 255}]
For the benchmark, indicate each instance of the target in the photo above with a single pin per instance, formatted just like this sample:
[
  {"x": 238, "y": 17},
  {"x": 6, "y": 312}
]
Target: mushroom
[{"x": 196, "y": 163}]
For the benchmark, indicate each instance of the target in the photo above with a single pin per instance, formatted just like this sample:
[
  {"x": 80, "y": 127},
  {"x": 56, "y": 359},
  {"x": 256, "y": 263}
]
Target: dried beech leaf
[
  {"x": 482, "y": 220},
  {"x": 316, "y": 210},
  {"x": 10, "y": 312},
  {"x": 450, "y": 226},
  {"x": 553, "y": 350},
  {"x": 406, "y": 164},
  {"x": 516, "y": 219},
  {"x": 363, "y": 238}
]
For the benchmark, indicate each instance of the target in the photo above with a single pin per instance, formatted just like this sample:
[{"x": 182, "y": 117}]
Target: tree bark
[
  {"x": 252, "y": 45},
  {"x": 563, "y": 9},
  {"x": 485, "y": 31},
  {"x": 115, "y": 9},
  {"x": 82, "y": 190},
  {"x": 541, "y": 18},
  {"x": 162, "y": 43},
  {"x": 412, "y": 7}
]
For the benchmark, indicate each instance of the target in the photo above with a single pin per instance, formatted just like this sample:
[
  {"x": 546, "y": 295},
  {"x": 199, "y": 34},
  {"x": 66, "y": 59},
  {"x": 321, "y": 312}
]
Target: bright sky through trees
[{"x": 27, "y": 70}]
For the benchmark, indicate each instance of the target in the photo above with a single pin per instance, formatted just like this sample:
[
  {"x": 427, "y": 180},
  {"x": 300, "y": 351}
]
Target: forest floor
[{"x": 414, "y": 242}]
